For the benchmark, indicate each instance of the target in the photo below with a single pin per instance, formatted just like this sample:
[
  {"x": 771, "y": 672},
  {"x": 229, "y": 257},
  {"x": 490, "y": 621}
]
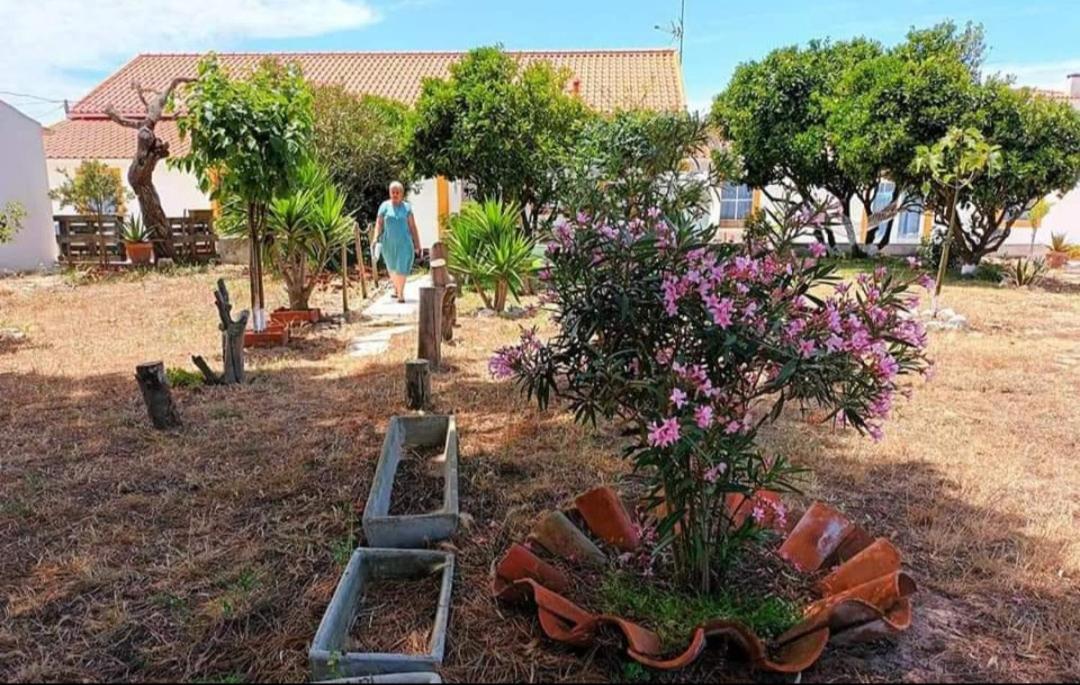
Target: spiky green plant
[
  {"x": 488, "y": 251},
  {"x": 1026, "y": 272},
  {"x": 132, "y": 230}
]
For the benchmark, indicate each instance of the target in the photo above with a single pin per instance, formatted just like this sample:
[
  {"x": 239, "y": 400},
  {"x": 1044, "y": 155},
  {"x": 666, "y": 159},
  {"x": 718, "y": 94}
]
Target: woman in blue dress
[{"x": 395, "y": 226}]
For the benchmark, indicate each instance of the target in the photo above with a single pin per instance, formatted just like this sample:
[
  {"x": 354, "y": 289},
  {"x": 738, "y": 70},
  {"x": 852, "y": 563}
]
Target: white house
[
  {"x": 606, "y": 80},
  {"x": 23, "y": 180}
]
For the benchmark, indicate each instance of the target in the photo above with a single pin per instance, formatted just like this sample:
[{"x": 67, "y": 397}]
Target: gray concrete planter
[
  {"x": 420, "y": 530},
  {"x": 390, "y": 678},
  {"x": 329, "y": 657}
]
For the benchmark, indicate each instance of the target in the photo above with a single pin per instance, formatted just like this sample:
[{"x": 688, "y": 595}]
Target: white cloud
[
  {"x": 1051, "y": 75},
  {"x": 59, "y": 48}
]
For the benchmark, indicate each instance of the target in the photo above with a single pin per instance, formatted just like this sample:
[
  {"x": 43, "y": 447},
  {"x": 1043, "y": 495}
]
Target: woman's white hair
[{"x": 398, "y": 185}]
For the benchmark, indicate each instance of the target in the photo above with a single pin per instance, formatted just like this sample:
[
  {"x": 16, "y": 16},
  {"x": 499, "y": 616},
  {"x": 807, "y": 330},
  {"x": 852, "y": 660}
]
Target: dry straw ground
[{"x": 210, "y": 553}]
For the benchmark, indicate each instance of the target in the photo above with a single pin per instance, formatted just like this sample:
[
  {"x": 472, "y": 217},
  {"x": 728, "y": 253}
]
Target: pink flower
[
  {"x": 807, "y": 348},
  {"x": 818, "y": 250},
  {"x": 713, "y": 474},
  {"x": 502, "y": 364},
  {"x": 721, "y": 311},
  {"x": 733, "y": 427},
  {"x": 703, "y": 415},
  {"x": 663, "y": 434},
  {"x": 678, "y": 397},
  {"x": 927, "y": 282}
]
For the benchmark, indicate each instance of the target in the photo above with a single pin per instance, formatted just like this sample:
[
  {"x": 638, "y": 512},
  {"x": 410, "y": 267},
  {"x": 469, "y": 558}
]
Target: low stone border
[
  {"x": 328, "y": 656},
  {"x": 419, "y": 530}
]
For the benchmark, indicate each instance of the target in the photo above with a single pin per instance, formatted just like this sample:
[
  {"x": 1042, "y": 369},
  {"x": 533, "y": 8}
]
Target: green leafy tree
[
  {"x": 11, "y": 217},
  {"x": 841, "y": 117},
  {"x": 95, "y": 190},
  {"x": 501, "y": 127},
  {"x": 249, "y": 138},
  {"x": 951, "y": 166},
  {"x": 361, "y": 143},
  {"x": 633, "y": 161},
  {"x": 1039, "y": 144}
]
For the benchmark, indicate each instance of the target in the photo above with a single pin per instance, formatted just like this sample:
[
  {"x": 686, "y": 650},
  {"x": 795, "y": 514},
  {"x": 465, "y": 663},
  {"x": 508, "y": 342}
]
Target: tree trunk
[
  {"x": 449, "y": 312},
  {"x": 849, "y": 231},
  {"x": 149, "y": 151},
  {"x": 502, "y": 288},
  {"x": 417, "y": 384},
  {"x": 232, "y": 341},
  {"x": 156, "y": 394}
]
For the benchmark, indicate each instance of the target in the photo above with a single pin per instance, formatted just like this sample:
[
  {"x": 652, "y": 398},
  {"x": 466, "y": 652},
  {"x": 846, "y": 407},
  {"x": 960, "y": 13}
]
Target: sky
[{"x": 59, "y": 49}]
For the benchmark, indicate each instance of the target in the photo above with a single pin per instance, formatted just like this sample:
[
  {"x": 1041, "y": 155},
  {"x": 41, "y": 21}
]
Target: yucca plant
[
  {"x": 1026, "y": 272},
  {"x": 488, "y": 251},
  {"x": 304, "y": 230},
  {"x": 1059, "y": 242},
  {"x": 132, "y": 230}
]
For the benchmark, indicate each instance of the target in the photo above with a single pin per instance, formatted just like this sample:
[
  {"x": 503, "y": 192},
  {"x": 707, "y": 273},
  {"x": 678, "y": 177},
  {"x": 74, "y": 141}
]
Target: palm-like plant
[
  {"x": 488, "y": 251},
  {"x": 304, "y": 229}
]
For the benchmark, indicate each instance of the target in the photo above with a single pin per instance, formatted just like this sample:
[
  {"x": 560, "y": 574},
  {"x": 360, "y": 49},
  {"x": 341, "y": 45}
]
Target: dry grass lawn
[{"x": 210, "y": 553}]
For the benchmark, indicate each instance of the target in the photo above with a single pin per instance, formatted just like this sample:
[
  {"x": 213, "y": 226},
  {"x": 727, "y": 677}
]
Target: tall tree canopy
[
  {"x": 498, "y": 126},
  {"x": 249, "y": 139},
  {"x": 361, "y": 143},
  {"x": 841, "y": 117}
]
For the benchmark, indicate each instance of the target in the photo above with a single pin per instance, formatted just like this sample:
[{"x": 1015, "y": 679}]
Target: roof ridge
[{"x": 540, "y": 51}]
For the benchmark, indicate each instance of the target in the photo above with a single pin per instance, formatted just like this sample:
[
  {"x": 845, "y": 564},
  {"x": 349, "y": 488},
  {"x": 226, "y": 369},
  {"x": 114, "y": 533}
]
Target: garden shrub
[
  {"x": 488, "y": 250},
  {"x": 695, "y": 346}
]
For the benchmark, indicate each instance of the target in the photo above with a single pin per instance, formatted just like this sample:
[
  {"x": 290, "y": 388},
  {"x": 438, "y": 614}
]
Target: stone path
[{"x": 389, "y": 318}]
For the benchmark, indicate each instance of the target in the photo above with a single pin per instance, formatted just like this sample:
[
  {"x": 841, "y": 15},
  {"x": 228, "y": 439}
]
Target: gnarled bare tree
[{"x": 149, "y": 151}]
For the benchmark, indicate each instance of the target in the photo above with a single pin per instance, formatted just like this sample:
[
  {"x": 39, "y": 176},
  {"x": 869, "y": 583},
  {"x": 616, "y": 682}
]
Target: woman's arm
[
  {"x": 378, "y": 227},
  {"x": 415, "y": 233}
]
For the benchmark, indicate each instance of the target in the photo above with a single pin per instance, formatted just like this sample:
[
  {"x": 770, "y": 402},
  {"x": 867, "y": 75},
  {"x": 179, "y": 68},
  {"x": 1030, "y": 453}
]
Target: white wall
[
  {"x": 178, "y": 190},
  {"x": 23, "y": 179}
]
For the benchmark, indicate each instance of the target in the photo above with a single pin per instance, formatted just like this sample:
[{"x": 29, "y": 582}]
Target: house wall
[
  {"x": 178, "y": 190},
  {"x": 1064, "y": 217},
  {"x": 179, "y": 193},
  {"x": 23, "y": 179}
]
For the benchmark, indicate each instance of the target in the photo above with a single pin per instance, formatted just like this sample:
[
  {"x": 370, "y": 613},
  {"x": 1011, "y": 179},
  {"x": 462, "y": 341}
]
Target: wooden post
[
  {"x": 417, "y": 384},
  {"x": 360, "y": 262},
  {"x": 440, "y": 278},
  {"x": 232, "y": 341},
  {"x": 156, "y": 394},
  {"x": 345, "y": 279},
  {"x": 430, "y": 331}
]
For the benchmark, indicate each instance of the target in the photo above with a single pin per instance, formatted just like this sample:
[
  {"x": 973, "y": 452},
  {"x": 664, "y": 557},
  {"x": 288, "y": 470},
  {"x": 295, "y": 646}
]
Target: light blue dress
[{"x": 397, "y": 244}]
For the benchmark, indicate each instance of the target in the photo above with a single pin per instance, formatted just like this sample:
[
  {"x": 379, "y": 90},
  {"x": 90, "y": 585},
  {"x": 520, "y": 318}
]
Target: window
[
  {"x": 908, "y": 224},
  {"x": 736, "y": 202}
]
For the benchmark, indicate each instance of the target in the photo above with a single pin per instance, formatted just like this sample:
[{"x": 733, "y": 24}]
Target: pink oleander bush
[{"x": 695, "y": 346}]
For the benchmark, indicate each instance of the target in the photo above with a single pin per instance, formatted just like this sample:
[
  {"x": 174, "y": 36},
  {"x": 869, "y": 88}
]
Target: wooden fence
[{"x": 83, "y": 240}]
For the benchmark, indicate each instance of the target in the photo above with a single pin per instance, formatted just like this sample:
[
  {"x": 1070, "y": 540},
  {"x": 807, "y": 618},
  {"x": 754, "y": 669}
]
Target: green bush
[
  {"x": 1026, "y": 272},
  {"x": 488, "y": 251},
  {"x": 182, "y": 378}
]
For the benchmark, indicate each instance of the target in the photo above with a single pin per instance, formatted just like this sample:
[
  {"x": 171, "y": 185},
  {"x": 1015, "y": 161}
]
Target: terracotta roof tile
[
  {"x": 101, "y": 139},
  {"x": 607, "y": 80}
]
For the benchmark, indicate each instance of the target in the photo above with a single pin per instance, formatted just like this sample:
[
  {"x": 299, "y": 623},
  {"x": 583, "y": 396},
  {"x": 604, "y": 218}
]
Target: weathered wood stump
[
  {"x": 440, "y": 278},
  {"x": 154, "y": 385},
  {"x": 417, "y": 384},
  {"x": 232, "y": 341},
  {"x": 430, "y": 332}
]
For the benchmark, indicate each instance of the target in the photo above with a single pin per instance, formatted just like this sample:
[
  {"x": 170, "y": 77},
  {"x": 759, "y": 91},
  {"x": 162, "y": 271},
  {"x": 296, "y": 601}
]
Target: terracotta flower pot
[
  {"x": 1056, "y": 260},
  {"x": 275, "y": 335},
  {"x": 289, "y": 317},
  {"x": 139, "y": 253}
]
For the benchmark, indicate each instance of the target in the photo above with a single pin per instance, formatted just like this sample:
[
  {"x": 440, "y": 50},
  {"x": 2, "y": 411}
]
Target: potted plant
[
  {"x": 136, "y": 237},
  {"x": 304, "y": 230},
  {"x": 1058, "y": 256}
]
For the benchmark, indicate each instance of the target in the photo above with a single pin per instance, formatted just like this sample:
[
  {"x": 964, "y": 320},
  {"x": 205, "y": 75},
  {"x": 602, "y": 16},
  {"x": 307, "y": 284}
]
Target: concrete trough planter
[
  {"x": 329, "y": 656},
  {"x": 390, "y": 678},
  {"x": 417, "y": 530}
]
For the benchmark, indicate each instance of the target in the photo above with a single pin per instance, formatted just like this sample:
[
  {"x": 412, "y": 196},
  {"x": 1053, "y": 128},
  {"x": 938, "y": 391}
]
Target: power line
[{"x": 32, "y": 97}]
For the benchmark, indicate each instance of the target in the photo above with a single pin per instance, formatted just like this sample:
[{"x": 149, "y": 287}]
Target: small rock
[
  {"x": 515, "y": 313},
  {"x": 945, "y": 314},
  {"x": 486, "y": 313},
  {"x": 13, "y": 334},
  {"x": 958, "y": 321}
]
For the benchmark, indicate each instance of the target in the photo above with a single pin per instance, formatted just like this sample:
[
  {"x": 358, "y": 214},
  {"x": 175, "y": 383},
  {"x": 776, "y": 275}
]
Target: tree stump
[
  {"x": 156, "y": 394},
  {"x": 440, "y": 278},
  {"x": 232, "y": 341},
  {"x": 430, "y": 331},
  {"x": 417, "y": 384}
]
